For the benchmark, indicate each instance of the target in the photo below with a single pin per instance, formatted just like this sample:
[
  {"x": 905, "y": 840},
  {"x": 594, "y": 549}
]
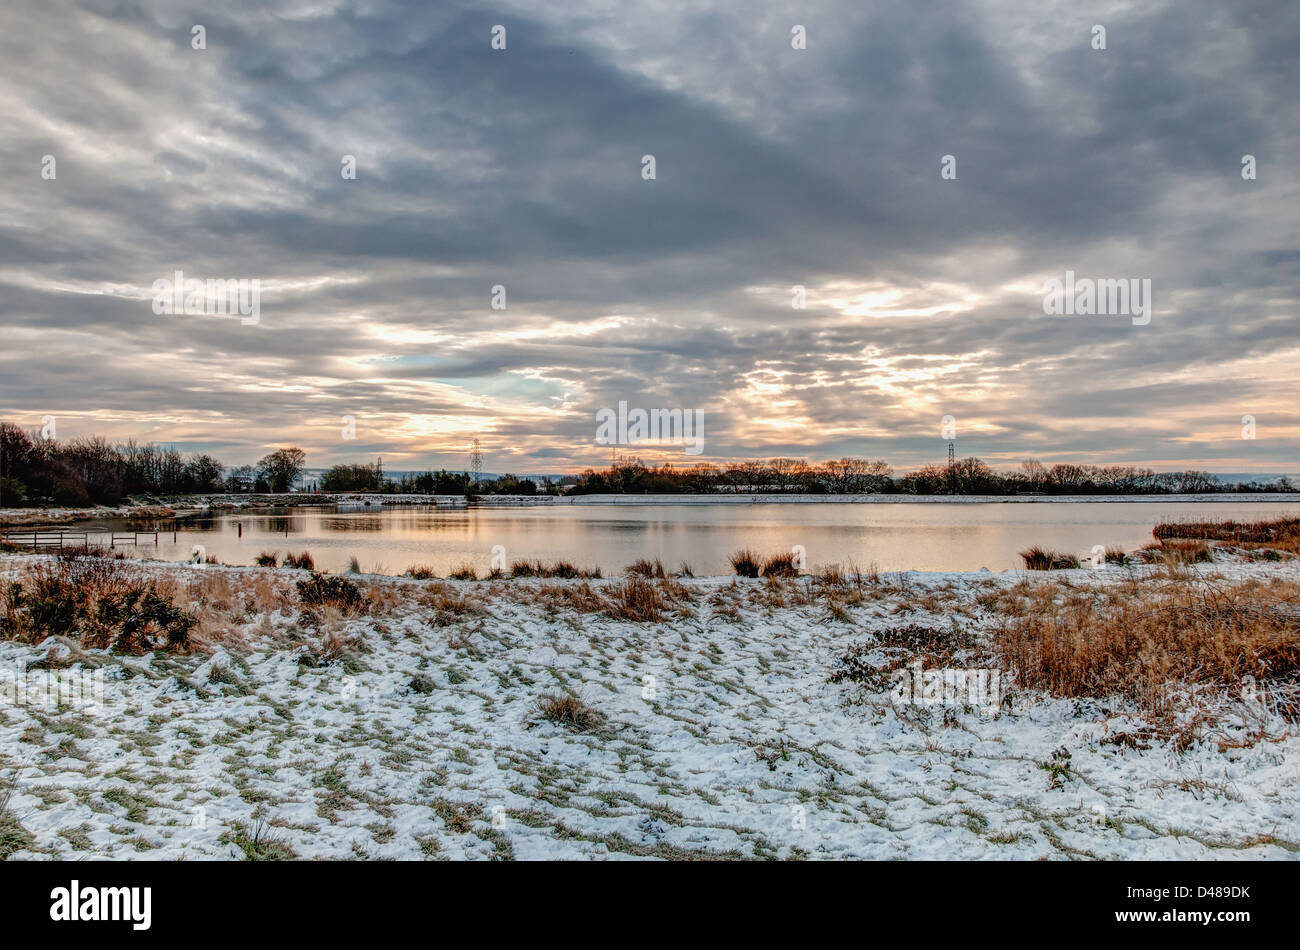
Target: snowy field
[{"x": 415, "y": 732}]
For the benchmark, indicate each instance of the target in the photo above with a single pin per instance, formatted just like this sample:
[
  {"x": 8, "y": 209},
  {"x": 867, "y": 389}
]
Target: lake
[{"x": 917, "y": 535}]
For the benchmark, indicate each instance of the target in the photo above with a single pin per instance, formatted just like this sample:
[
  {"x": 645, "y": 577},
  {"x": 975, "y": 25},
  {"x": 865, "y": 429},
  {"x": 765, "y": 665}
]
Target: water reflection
[{"x": 926, "y": 536}]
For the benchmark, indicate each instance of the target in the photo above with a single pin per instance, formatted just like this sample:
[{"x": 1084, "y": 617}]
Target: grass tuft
[
  {"x": 1040, "y": 559},
  {"x": 570, "y": 712},
  {"x": 745, "y": 563}
]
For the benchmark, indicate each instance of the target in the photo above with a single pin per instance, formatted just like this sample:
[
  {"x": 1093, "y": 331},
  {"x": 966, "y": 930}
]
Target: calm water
[{"x": 894, "y": 537}]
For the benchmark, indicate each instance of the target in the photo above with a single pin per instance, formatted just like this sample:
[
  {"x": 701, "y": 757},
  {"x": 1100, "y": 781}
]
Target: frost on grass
[{"x": 656, "y": 716}]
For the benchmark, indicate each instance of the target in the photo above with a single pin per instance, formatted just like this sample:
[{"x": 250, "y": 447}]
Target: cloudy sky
[{"x": 774, "y": 167}]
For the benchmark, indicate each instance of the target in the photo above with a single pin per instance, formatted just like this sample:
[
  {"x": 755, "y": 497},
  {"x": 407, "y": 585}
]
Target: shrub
[
  {"x": 338, "y": 592},
  {"x": 301, "y": 561},
  {"x": 266, "y": 559},
  {"x": 98, "y": 602}
]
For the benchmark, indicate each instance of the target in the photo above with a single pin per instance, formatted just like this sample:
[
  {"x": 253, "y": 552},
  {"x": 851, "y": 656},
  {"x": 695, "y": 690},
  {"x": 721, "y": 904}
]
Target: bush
[
  {"x": 301, "y": 561},
  {"x": 99, "y": 603},
  {"x": 339, "y": 592},
  {"x": 265, "y": 559}
]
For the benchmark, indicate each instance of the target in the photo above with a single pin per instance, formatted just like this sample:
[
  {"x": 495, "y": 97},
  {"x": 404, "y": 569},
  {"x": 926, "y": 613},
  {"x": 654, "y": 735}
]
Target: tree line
[
  {"x": 371, "y": 478},
  {"x": 94, "y": 471},
  {"x": 968, "y": 476}
]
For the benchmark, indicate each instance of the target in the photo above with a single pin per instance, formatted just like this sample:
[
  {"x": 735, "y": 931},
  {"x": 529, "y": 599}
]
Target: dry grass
[
  {"x": 832, "y": 575},
  {"x": 266, "y": 559},
  {"x": 553, "y": 598},
  {"x": 449, "y": 605},
  {"x": 570, "y": 712},
  {"x": 1171, "y": 551},
  {"x": 638, "y": 600},
  {"x": 644, "y": 568},
  {"x": 561, "y": 569},
  {"x": 1254, "y": 540},
  {"x": 746, "y": 563},
  {"x": 301, "y": 561},
  {"x": 464, "y": 572},
  {"x": 1040, "y": 559},
  {"x": 780, "y": 565},
  {"x": 1238, "y": 532},
  {"x": 1152, "y": 641},
  {"x": 420, "y": 572}
]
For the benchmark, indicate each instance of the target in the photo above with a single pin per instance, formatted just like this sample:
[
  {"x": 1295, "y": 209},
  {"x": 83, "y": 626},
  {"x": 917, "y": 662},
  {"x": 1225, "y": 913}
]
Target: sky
[{"x": 775, "y": 167}]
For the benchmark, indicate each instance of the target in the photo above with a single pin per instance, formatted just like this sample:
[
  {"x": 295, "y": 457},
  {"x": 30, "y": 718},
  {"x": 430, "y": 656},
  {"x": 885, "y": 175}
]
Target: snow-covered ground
[{"x": 722, "y": 737}]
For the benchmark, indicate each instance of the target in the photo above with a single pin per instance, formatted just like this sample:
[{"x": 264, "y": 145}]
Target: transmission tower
[
  {"x": 952, "y": 454},
  {"x": 476, "y": 462}
]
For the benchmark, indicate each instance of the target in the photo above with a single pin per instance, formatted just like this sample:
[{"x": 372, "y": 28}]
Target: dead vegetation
[
  {"x": 1163, "y": 644},
  {"x": 1280, "y": 534},
  {"x": 570, "y": 712},
  {"x": 1040, "y": 559},
  {"x": 1178, "y": 551},
  {"x": 645, "y": 568},
  {"x": 561, "y": 569},
  {"x": 747, "y": 563},
  {"x": 101, "y": 602},
  {"x": 874, "y": 662}
]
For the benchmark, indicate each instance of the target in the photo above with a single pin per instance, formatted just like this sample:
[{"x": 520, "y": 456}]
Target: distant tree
[
  {"x": 353, "y": 478},
  {"x": 282, "y": 468},
  {"x": 203, "y": 474}
]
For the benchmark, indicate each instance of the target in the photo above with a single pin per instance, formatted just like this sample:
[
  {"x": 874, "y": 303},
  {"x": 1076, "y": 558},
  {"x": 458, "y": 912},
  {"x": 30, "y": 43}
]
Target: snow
[{"x": 742, "y": 748}]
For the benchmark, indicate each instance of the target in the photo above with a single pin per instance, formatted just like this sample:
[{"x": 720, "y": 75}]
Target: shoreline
[{"x": 198, "y": 505}]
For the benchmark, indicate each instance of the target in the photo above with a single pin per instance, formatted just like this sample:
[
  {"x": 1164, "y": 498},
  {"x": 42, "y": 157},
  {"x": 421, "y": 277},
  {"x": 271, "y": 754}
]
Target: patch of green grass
[{"x": 258, "y": 843}]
